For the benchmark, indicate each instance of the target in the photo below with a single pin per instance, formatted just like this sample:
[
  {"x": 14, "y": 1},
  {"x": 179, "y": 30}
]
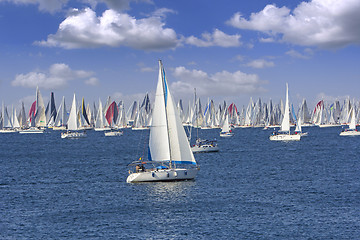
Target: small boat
[
  {"x": 284, "y": 133},
  {"x": 73, "y": 124},
  {"x": 8, "y": 130},
  {"x": 204, "y": 146},
  {"x": 351, "y": 131},
  {"x": 32, "y": 130},
  {"x": 298, "y": 128},
  {"x": 70, "y": 134},
  {"x": 113, "y": 133},
  {"x": 169, "y": 147}
]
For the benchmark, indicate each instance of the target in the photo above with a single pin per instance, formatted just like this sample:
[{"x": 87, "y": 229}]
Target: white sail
[
  {"x": 61, "y": 117},
  {"x": 40, "y": 118},
  {"x": 285, "y": 124},
  {"x": 298, "y": 125},
  {"x": 72, "y": 123},
  {"x": 226, "y": 127},
  {"x": 168, "y": 141},
  {"x": 15, "y": 121},
  {"x": 6, "y": 118},
  {"x": 352, "y": 125}
]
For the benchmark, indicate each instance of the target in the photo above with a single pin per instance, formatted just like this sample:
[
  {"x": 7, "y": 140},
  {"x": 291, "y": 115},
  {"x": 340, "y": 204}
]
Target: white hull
[
  {"x": 59, "y": 128},
  {"x": 204, "y": 148},
  {"x": 228, "y": 134},
  {"x": 8, "y": 131},
  {"x": 328, "y": 125},
  {"x": 177, "y": 174},
  {"x": 31, "y": 130},
  {"x": 73, "y": 135},
  {"x": 139, "y": 128},
  {"x": 285, "y": 137},
  {"x": 102, "y": 129},
  {"x": 113, "y": 134},
  {"x": 350, "y": 133}
]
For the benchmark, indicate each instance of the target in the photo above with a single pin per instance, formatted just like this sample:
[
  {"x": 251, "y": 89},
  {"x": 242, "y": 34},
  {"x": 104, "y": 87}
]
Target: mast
[
  {"x": 196, "y": 115},
  {"x": 165, "y": 101}
]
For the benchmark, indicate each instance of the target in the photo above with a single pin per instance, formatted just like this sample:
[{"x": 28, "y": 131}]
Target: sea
[{"x": 253, "y": 188}]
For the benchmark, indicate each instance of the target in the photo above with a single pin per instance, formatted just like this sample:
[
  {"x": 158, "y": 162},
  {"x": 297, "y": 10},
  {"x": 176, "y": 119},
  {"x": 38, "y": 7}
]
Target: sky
[{"x": 227, "y": 49}]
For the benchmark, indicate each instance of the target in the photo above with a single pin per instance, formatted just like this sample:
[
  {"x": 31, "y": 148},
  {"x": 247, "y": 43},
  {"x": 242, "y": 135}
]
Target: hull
[
  {"x": 113, "y": 134},
  {"x": 8, "y": 131},
  {"x": 139, "y": 128},
  {"x": 285, "y": 137},
  {"x": 73, "y": 135},
  {"x": 102, "y": 129},
  {"x": 31, "y": 131},
  {"x": 228, "y": 134},
  {"x": 350, "y": 133},
  {"x": 163, "y": 175},
  {"x": 328, "y": 125},
  {"x": 59, "y": 128},
  {"x": 204, "y": 148}
]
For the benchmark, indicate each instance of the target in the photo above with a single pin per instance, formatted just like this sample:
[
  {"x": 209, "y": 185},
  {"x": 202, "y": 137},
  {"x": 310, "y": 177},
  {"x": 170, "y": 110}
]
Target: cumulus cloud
[
  {"x": 260, "y": 63},
  {"x": 219, "y": 84},
  {"x": 56, "y": 77},
  {"x": 322, "y": 23},
  {"x": 82, "y": 28},
  {"x": 44, "y": 5},
  {"x": 217, "y": 38},
  {"x": 295, "y": 54},
  {"x": 93, "y": 81}
]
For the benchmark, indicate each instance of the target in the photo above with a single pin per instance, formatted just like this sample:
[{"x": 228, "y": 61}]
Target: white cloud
[
  {"x": 147, "y": 69},
  {"x": 83, "y": 29},
  {"x": 44, "y": 5},
  {"x": 217, "y": 38},
  {"x": 330, "y": 99},
  {"x": 219, "y": 84},
  {"x": 56, "y": 77},
  {"x": 260, "y": 63},
  {"x": 118, "y": 5},
  {"x": 295, "y": 54},
  {"x": 322, "y": 23},
  {"x": 93, "y": 81}
]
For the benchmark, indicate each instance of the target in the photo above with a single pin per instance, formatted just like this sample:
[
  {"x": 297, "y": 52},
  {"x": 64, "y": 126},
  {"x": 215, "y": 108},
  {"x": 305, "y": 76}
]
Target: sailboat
[
  {"x": 73, "y": 124},
  {"x": 101, "y": 123},
  {"x": 7, "y": 125},
  {"x": 202, "y": 145},
  {"x": 351, "y": 131},
  {"x": 226, "y": 130},
  {"x": 284, "y": 134},
  {"x": 298, "y": 128},
  {"x": 168, "y": 143}
]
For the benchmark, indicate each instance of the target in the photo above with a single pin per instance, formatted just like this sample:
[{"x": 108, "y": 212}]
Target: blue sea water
[{"x": 53, "y": 188}]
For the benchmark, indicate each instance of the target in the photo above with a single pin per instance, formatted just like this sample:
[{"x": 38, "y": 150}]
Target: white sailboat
[
  {"x": 73, "y": 124},
  {"x": 226, "y": 130},
  {"x": 168, "y": 144},
  {"x": 61, "y": 117},
  {"x": 202, "y": 145},
  {"x": 284, "y": 134},
  {"x": 298, "y": 128},
  {"x": 101, "y": 123},
  {"x": 351, "y": 131},
  {"x": 7, "y": 126}
]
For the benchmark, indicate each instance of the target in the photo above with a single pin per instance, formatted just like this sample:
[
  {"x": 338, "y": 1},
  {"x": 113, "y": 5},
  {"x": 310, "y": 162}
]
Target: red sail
[
  {"x": 32, "y": 111},
  {"x": 110, "y": 113}
]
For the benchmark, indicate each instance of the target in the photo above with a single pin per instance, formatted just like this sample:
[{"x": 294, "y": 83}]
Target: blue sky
[{"x": 227, "y": 50}]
